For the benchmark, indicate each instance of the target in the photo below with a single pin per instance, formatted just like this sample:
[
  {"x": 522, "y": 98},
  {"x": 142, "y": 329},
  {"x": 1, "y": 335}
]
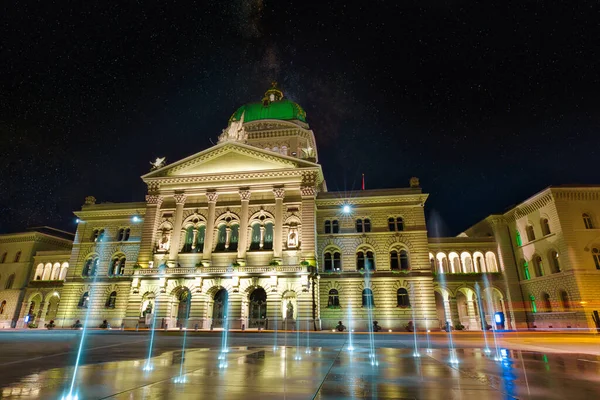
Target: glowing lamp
[
  {"x": 135, "y": 218},
  {"x": 346, "y": 209},
  {"x": 78, "y": 221}
]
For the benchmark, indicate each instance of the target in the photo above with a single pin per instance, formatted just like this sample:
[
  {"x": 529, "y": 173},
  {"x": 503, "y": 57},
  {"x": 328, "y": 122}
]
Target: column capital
[
  {"x": 245, "y": 194},
  {"x": 279, "y": 193},
  {"x": 154, "y": 200},
  {"x": 212, "y": 197},
  {"x": 179, "y": 198},
  {"x": 308, "y": 191}
]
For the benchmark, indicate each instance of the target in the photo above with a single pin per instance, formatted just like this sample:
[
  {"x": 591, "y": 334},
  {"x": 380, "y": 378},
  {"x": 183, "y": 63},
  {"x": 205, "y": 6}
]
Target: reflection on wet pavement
[{"x": 326, "y": 373}]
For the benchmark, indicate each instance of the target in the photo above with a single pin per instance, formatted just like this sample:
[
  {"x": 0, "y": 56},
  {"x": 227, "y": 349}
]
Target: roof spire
[{"x": 273, "y": 94}]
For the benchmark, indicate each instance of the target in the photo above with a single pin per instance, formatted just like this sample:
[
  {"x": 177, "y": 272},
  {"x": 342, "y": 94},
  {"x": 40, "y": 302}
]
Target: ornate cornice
[
  {"x": 234, "y": 176},
  {"x": 308, "y": 191},
  {"x": 400, "y": 200}
]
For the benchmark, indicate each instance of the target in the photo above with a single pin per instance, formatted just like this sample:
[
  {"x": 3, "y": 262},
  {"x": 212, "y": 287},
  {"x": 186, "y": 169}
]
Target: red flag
[{"x": 363, "y": 181}]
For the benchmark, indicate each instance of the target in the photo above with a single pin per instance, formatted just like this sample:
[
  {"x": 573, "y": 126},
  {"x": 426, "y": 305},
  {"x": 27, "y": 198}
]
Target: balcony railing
[{"x": 222, "y": 270}]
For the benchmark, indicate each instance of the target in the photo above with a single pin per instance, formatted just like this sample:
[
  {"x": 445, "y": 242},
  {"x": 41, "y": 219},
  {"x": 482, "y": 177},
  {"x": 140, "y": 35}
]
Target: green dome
[{"x": 273, "y": 106}]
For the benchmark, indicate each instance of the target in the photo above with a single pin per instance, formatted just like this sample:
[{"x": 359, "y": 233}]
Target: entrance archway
[
  {"x": 183, "y": 308},
  {"x": 258, "y": 308},
  {"x": 220, "y": 304}
]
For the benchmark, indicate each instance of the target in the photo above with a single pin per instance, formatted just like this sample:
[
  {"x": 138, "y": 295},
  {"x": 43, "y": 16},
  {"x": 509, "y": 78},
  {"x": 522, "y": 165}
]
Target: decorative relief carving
[
  {"x": 245, "y": 194},
  {"x": 212, "y": 197},
  {"x": 154, "y": 200},
  {"x": 309, "y": 178},
  {"x": 279, "y": 193},
  {"x": 307, "y": 191},
  {"x": 153, "y": 187},
  {"x": 179, "y": 198},
  {"x": 90, "y": 200}
]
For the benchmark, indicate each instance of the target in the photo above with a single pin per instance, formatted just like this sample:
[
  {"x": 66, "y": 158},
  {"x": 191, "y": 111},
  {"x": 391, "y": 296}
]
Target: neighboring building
[
  {"x": 17, "y": 252},
  {"x": 550, "y": 246},
  {"x": 246, "y": 234}
]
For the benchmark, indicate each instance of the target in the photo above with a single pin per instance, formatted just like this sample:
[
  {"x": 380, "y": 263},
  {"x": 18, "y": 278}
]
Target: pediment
[{"x": 228, "y": 158}]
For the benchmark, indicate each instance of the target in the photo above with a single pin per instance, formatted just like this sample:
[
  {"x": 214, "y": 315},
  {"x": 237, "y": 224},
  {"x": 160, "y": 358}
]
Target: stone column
[
  {"x": 453, "y": 307},
  {"x": 243, "y": 239},
  {"x": 151, "y": 220},
  {"x": 278, "y": 228},
  {"x": 176, "y": 236},
  {"x": 473, "y": 320},
  {"x": 309, "y": 225},
  {"x": 210, "y": 226}
]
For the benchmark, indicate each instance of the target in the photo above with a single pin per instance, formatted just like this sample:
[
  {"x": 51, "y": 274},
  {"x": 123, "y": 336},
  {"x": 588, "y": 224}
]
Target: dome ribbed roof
[{"x": 273, "y": 106}]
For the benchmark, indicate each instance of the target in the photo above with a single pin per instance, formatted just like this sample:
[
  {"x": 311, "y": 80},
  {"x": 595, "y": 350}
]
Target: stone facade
[
  {"x": 550, "y": 240},
  {"x": 17, "y": 251},
  {"x": 246, "y": 235}
]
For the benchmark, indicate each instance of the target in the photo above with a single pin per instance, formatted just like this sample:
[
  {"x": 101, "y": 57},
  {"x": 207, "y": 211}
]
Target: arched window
[
  {"x": 564, "y": 300},
  {"x": 337, "y": 261},
  {"x": 545, "y": 226},
  {"x": 39, "y": 271},
  {"x": 537, "y": 264},
  {"x": 399, "y": 224},
  {"x": 255, "y": 242},
  {"x": 94, "y": 237},
  {"x": 359, "y": 225},
  {"x": 530, "y": 233},
  {"x": 367, "y": 225},
  {"x": 335, "y": 226},
  {"x": 490, "y": 261},
  {"x": 127, "y": 234},
  {"x": 55, "y": 272},
  {"x": 404, "y": 262},
  {"x": 532, "y": 303},
  {"x": 432, "y": 263},
  {"x": 10, "y": 281},
  {"x": 334, "y": 299},
  {"x": 221, "y": 238},
  {"x": 98, "y": 235},
  {"x": 90, "y": 267},
  {"x": 547, "y": 302},
  {"x": 189, "y": 240},
  {"x": 47, "y": 272},
  {"x": 391, "y": 224},
  {"x": 370, "y": 261},
  {"x": 518, "y": 239},
  {"x": 200, "y": 239},
  {"x": 327, "y": 226},
  {"x": 596, "y": 255},
  {"x": 121, "y": 235},
  {"x": 402, "y": 297},
  {"x": 367, "y": 298},
  {"x": 234, "y": 238},
  {"x": 2, "y": 307},
  {"x": 3, "y": 260},
  {"x": 587, "y": 221},
  {"x": 18, "y": 256},
  {"x": 360, "y": 261},
  {"x": 84, "y": 300},
  {"x": 328, "y": 262},
  {"x": 120, "y": 268},
  {"x": 112, "y": 300},
  {"x": 526, "y": 274},
  {"x": 554, "y": 262},
  {"x": 394, "y": 261},
  {"x": 268, "y": 236}
]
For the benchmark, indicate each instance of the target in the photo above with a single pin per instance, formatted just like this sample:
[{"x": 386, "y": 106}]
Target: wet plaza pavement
[{"x": 39, "y": 366}]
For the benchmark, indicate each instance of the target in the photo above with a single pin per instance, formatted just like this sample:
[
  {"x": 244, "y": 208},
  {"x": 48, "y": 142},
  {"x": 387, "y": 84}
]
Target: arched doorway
[
  {"x": 53, "y": 303},
  {"x": 183, "y": 308},
  {"x": 258, "y": 308},
  {"x": 440, "y": 309},
  {"x": 220, "y": 304}
]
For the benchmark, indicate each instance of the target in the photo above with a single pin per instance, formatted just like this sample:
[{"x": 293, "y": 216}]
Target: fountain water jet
[
  {"x": 482, "y": 317},
  {"x": 73, "y": 395},
  {"x": 415, "y": 341},
  {"x": 369, "y": 306},
  {"x": 492, "y": 312},
  {"x": 350, "y": 324},
  {"x": 429, "y": 350},
  {"x": 224, "y": 335},
  {"x": 181, "y": 378}
]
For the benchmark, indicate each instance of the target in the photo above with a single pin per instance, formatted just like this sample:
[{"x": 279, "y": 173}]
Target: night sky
[{"x": 486, "y": 104}]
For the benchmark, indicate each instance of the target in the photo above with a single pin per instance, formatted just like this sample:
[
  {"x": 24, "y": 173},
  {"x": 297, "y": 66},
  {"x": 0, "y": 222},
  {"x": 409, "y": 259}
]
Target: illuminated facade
[
  {"x": 550, "y": 248},
  {"x": 245, "y": 233},
  {"x": 18, "y": 255}
]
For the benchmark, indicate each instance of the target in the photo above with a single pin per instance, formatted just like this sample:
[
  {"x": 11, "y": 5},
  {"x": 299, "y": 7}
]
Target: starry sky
[{"x": 486, "y": 102}]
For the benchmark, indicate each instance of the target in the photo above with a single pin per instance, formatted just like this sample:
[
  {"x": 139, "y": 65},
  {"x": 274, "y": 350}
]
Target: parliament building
[{"x": 245, "y": 234}]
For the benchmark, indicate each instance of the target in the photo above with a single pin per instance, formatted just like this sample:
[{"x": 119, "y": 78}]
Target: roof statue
[
  {"x": 235, "y": 132},
  {"x": 309, "y": 152},
  {"x": 158, "y": 163}
]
